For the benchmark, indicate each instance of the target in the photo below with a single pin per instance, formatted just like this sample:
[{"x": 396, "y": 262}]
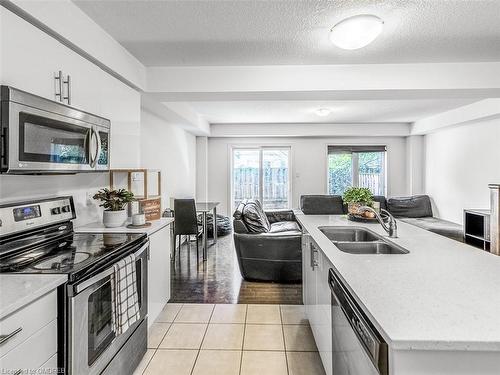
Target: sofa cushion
[
  {"x": 414, "y": 206},
  {"x": 321, "y": 204},
  {"x": 439, "y": 226},
  {"x": 255, "y": 217},
  {"x": 280, "y": 215},
  {"x": 239, "y": 226},
  {"x": 285, "y": 226},
  {"x": 238, "y": 213}
]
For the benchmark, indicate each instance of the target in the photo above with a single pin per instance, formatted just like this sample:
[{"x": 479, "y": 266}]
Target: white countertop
[
  {"x": 98, "y": 227},
  {"x": 443, "y": 295},
  {"x": 18, "y": 290}
]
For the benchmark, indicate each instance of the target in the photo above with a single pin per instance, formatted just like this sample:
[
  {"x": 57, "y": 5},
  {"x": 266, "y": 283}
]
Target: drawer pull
[
  {"x": 5, "y": 338},
  {"x": 18, "y": 372}
]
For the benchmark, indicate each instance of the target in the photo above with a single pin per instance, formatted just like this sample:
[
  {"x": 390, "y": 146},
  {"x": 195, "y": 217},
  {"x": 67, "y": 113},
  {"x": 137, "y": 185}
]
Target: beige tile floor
[{"x": 207, "y": 339}]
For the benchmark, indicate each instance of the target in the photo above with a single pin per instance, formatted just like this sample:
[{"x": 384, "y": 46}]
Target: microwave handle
[
  {"x": 106, "y": 273},
  {"x": 94, "y": 154},
  {"x": 99, "y": 146},
  {"x": 91, "y": 146}
]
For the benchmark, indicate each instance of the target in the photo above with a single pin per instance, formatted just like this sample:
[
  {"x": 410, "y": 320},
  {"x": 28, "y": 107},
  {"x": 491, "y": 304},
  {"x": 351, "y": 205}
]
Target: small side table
[{"x": 477, "y": 228}]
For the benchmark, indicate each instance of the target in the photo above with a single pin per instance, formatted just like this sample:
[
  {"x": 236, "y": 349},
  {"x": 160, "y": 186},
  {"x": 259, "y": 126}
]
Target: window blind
[{"x": 349, "y": 149}]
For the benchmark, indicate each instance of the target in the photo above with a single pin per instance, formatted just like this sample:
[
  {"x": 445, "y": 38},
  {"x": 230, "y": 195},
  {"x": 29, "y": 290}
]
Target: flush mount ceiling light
[
  {"x": 356, "y": 31},
  {"x": 322, "y": 112}
]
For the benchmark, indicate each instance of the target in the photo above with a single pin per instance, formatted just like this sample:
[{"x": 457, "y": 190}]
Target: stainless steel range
[{"x": 37, "y": 237}]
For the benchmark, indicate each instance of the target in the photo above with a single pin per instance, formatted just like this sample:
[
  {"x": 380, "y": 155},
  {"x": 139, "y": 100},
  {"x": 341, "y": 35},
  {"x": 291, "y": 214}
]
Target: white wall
[
  {"x": 28, "y": 62},
  {"x": 415, "y": 167},
  {"x": 173, "y": 150},
  {"x": 460, "y": 163},
  {"x": 309, "y": 174}
]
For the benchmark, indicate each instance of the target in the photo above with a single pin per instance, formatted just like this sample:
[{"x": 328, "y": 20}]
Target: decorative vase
[{"x": 114, "y": 219}]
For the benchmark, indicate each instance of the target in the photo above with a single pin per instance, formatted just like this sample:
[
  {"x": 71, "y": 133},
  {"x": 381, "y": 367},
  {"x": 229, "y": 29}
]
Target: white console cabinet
[{"x": 158, "y": 272}]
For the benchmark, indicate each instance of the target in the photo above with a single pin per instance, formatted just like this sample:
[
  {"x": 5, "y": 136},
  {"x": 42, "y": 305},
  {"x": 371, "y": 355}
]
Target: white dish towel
[{"x": 124, "y": 297}]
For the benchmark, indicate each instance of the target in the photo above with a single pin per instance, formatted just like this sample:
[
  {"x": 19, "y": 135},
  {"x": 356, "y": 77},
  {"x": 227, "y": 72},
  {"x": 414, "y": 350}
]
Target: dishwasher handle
[{"x": 371, "y": 341}]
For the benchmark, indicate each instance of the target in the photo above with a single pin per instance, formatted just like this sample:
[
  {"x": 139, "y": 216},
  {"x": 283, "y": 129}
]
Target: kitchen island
[{"x": 436, "y": 307}]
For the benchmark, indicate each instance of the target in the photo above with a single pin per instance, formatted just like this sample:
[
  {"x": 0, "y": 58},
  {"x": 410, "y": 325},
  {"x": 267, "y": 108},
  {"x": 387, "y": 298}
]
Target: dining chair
[{"x": 186, "y": 223}]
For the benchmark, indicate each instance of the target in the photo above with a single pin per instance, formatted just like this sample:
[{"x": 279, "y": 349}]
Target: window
[
  {"x": 261, "y": 173},
  {"x": 360, "y": 166}
]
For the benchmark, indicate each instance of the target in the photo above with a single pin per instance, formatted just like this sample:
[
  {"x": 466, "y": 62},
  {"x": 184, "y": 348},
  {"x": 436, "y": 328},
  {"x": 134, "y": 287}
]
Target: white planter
[{"x": 114, "y": 219}]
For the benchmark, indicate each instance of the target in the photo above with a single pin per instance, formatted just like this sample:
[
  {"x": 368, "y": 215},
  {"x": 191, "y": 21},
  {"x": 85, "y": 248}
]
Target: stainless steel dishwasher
[{"x": 357, "y": 347}]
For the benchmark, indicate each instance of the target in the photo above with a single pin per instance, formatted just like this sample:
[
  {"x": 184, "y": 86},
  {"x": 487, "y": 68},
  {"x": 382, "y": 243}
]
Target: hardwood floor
[{"x": 218, "y": 280}]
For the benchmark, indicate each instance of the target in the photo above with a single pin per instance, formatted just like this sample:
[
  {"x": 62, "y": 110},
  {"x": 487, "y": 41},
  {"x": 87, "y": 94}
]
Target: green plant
[
  {"x": 358, "y": 195},
  {"x": 114, "y": 200}
]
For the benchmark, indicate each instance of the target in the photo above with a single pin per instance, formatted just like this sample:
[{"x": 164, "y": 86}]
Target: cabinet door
[
  {"x": 308, "y": 276},
  {"x": 324, "y": 313},
  {"x": 158, "y": 273},
  {"x": 313, "y": 316}
]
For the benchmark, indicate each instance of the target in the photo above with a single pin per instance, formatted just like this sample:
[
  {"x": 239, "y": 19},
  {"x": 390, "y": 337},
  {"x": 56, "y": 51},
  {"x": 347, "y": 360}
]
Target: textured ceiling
[
  {"x": 296, "y": 31},
  {"x": 342, "y": 111}
]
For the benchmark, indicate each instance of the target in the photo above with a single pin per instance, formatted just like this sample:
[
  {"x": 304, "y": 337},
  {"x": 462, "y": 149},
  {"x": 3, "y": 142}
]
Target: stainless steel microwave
[{"x": 41, "y": 136}]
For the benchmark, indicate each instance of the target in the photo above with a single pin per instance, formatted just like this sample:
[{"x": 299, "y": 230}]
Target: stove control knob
[
  {"x": 66, "y": 209},
  {"x": 55, "y": 211}
]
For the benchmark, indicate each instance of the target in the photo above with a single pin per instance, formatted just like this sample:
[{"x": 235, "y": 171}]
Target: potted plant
[
  {"x": 356, "y": 197},
  {"x": 114, "y": 202}
]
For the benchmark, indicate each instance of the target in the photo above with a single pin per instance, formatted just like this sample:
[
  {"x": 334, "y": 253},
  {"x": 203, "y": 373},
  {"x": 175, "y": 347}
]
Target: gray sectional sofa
[
  {"x": 415, "y": 210},
  {"x": 268, "y": 244}
]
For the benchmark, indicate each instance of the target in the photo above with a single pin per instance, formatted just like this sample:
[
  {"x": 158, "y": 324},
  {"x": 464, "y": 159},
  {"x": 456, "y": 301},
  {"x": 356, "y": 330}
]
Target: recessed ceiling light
[
  {"x": 356, "y": 32},
  {"x": 322, "y": 112}
]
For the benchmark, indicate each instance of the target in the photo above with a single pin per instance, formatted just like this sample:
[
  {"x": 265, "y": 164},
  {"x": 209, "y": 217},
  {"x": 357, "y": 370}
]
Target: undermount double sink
[{"x": 358, "y": 240}]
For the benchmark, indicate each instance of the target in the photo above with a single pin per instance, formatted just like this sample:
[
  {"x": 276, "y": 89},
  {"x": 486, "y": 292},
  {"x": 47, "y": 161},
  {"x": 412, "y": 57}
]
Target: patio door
[{"x": 261, "y": 173}]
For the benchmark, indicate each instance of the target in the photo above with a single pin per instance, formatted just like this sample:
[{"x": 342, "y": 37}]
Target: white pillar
[{"x": 202, "y": 168}]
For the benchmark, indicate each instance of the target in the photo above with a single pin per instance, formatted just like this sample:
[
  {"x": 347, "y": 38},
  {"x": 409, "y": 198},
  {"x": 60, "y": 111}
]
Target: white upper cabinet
[{"x": 28, "y": 60}]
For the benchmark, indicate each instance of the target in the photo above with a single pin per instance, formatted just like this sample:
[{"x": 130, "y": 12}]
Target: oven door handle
[{"x": 84, "y": 285}]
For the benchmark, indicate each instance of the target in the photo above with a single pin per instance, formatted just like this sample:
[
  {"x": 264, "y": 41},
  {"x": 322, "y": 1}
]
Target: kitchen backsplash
[{"x": 80, "y": 186}]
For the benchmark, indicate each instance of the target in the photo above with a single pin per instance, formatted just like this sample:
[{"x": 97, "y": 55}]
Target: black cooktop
[{"x": 75, "y": 254}]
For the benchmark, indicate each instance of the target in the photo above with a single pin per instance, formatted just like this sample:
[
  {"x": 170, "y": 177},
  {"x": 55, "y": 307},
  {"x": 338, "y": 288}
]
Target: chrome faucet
[{"x": 391, "y": 227}]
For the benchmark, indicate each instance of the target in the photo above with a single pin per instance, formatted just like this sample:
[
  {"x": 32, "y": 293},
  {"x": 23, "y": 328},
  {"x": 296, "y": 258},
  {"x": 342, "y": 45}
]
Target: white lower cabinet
[
  {"x": 158, "y": 272},
  {"x": 324, "y": 315},
  {"x": 317, "y": 300},
  {"x": 33, "y": 337}
]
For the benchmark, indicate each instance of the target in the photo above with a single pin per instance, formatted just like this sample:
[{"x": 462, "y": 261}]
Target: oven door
[
  {"x": 92, "y": 341},
  {"x": 41, "y": 141}
]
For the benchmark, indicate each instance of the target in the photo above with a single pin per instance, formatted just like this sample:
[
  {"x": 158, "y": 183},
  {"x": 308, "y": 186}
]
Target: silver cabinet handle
[
  {"x": 18, "y": 372},
  {"x": 5, "y": 338},
  {"x": 68, "y": 88},
  {"x": 58, "y": 77},
  {"x": 314, "y": 262}
]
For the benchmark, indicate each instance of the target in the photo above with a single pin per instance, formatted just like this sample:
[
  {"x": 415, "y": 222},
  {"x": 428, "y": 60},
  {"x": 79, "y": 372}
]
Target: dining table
[{"x": 204, "y": 208}]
